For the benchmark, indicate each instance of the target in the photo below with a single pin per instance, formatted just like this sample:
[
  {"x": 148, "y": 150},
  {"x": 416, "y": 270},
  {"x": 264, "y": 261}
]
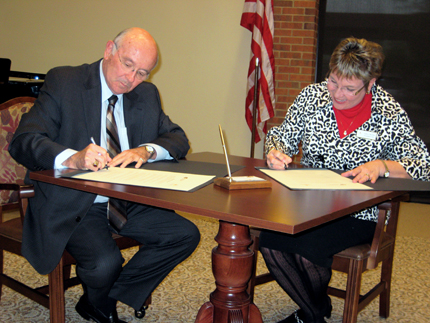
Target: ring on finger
[
  {"x": 368, "y": 176},
  {"x": 142, "y": 159},
  {"x": 96, "y": 163}
]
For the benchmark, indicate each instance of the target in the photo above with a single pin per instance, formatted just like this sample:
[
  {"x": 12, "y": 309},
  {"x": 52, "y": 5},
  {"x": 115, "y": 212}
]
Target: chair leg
[
  {"x": 384, "y": 298},
  {"x": 1, "y": 255},
  {"x": 67, "y": 270},
  {"x": 57, "y": 310},
  {"x": 1, "y": 272},
  {"x": 352, "y": 292},
  {"x": 251, "y": 284}
]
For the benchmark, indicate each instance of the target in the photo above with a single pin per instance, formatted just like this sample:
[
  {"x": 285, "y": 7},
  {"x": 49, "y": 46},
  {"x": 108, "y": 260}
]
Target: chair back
[
  {"x": 385, "y": 231},
  {"x": 5, "y": 64},
  {"x": 10, "y": 171}
]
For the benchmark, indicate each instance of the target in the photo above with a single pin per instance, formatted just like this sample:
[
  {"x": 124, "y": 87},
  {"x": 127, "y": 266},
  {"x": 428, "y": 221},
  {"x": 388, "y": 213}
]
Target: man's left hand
[{"x": 137, "y": 155}]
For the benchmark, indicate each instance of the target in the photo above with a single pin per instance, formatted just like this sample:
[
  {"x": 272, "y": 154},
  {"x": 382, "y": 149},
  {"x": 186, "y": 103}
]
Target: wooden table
[{"x": 278, "y": 209}]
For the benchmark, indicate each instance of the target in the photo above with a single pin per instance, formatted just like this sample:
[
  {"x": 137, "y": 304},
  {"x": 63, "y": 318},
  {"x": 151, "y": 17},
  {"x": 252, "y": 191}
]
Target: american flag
[{"x": 257, "y": 17}]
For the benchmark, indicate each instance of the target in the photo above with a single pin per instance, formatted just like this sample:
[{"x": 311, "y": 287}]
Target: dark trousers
[{"x": 167, "y": 240}]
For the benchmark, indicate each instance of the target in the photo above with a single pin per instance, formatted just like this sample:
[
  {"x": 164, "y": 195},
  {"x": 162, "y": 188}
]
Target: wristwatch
[
  {"x": 387, "y": 171},
  {"x": 150, "y": 150}
]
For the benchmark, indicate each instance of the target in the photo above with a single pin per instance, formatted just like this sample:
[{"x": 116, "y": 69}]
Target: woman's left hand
[{"x": 369, "y": 171}]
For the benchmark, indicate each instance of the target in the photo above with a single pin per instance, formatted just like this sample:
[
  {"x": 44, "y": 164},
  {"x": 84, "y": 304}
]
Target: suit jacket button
[{"x": 78, "y": 219}]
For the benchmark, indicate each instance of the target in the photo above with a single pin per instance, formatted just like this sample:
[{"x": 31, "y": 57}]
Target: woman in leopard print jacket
[{"x": 347, "y": 122}]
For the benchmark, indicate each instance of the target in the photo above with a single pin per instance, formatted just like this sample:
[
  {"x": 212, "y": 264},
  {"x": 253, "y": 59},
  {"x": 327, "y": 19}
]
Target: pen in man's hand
[
  {"x": 278, "y": 149},
  {"x": 94, "y": 142}
]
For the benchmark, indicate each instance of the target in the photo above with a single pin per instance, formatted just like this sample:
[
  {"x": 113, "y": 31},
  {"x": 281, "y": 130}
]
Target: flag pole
[{"x": 254, "y": 108}]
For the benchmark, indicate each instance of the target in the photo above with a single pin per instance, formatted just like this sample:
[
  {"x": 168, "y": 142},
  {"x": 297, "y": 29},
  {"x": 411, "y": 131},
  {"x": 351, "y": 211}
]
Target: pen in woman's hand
[{"x": 278, "y": 149}]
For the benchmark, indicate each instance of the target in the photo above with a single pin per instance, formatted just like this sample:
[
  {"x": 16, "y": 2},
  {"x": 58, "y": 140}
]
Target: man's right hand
[{"x": 92, "y": 157}]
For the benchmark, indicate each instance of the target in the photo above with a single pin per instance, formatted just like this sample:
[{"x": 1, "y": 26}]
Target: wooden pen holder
[{"x": 242, "y": 182}]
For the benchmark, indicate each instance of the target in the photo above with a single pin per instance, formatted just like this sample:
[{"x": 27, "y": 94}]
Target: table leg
[{"x": 231, "y": 266}]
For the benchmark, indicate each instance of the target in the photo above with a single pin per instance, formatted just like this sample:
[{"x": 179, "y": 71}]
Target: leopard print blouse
[{"x": 311, "y": 121}]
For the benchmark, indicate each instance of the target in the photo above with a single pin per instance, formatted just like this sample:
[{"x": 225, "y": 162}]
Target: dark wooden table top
[{"x": 278, "y": 208}]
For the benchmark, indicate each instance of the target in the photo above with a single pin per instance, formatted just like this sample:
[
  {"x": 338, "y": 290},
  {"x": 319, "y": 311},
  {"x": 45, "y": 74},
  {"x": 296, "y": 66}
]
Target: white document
[
  {"x": 147, "y": 178},
  {"x": 313, "y": 179}
]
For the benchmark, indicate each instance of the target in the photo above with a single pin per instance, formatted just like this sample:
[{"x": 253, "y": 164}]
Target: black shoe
[
  {"x": 293, "y": 318},
  {"x": 113, "y": 318},
  {"x": 90, "y": 312},
  {"x": 296, "y": 317},
  {"x": 140, "y": 314},
  {"x": 329, "y": 308}
]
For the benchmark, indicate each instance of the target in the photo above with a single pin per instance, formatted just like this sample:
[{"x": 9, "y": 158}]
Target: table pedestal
[{"x": 231, "y": 266}]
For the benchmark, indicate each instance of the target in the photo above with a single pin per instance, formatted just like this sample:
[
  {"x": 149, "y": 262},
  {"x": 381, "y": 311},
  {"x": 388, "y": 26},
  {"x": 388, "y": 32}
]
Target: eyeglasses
[
  {"x": 359, "y": 90},
  {"x": 347, "y": 91},
  {"x": 141, "y": 75}
]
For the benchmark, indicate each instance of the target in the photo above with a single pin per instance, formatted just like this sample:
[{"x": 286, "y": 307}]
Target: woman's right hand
[{"x": 277, "y": 160}]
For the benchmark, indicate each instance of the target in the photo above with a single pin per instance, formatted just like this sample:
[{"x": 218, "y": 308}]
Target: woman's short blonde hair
[{"x": 357, "y": 58}]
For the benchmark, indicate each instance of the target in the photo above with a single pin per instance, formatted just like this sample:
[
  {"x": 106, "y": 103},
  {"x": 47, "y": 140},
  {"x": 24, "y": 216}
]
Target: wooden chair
[
  {"x": 354, "y": 261},
  {"x": 14, "y": 196},
  {"x": 10, "y": 171}
]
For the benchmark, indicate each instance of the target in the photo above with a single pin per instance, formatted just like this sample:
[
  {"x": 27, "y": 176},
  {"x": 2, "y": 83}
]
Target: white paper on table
[
  {"x": 313, "y": 179},
  {"x": 147, "y": 178}
]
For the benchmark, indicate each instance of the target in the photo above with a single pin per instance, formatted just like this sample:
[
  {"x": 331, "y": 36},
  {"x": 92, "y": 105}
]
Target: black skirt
[{"x": 319, "y": 244}]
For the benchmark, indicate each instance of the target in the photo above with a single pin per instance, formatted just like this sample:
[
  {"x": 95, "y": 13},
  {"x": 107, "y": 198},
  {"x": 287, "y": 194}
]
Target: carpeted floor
[{"x": 179, "y": 297}]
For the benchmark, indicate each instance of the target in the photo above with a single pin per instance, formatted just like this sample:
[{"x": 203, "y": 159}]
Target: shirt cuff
[
  {"x": 162, "y": 153},
  {"x": 64, "y": 155}
]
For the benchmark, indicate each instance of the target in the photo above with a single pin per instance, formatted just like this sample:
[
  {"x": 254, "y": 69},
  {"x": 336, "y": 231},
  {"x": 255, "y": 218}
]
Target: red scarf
[{"x": 351, "y": 119}]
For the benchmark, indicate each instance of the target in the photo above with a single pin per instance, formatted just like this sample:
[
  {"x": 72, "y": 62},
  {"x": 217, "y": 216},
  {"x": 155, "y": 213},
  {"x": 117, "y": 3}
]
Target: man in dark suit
[{"x": 71, "y": 110}]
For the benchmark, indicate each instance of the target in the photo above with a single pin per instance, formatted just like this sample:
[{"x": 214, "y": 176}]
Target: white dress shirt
[{"x": 162, "y": 153}]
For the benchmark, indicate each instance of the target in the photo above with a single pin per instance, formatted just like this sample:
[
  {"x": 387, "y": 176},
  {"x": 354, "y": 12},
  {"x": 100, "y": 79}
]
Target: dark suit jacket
[{"x": 67, "y": 114}]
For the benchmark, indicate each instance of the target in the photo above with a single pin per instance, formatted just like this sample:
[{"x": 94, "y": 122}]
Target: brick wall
[
  {"x": 295, "y": 46},
  {"x": 296, "y": 25}
]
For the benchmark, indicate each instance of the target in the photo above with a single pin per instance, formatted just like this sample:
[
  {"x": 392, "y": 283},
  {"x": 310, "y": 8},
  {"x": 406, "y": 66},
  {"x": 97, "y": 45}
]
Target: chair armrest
[
  {"x": 24, "y": 193},
  {"x": 9, "y": 187}
]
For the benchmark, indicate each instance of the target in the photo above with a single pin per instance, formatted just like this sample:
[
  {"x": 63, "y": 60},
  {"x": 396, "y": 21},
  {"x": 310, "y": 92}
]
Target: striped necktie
[
  {"x": 112, "y": 138},
  {"x": 117, "y": 209}
]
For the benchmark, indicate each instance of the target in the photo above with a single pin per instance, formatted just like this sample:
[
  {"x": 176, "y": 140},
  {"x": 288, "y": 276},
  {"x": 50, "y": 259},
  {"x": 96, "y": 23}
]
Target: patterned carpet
[{"x": 179, "y": 297}]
